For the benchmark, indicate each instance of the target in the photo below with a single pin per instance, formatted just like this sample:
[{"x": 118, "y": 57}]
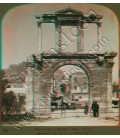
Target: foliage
[
  {"x": 12, "y": 104},
  {"x": 3, "y": 81}
]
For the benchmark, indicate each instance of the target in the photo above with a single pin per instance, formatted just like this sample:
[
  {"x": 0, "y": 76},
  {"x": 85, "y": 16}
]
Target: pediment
[{"x": 69, "y": 11}]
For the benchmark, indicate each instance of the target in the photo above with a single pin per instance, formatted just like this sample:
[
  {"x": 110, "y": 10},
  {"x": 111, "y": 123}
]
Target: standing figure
[
  {"x": 86, "y": 109},
  {"x": 96, "y": 109},
  {"x": 93, "y": 108}
]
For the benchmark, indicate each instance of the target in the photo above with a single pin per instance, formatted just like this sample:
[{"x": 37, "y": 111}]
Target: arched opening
[
  {"x": 67, "y": 79},
  {"x": 71, "y": 82}
]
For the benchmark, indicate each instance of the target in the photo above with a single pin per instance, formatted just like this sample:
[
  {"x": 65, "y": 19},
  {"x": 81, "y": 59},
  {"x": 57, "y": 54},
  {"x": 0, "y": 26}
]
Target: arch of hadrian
[{"x": 98, "y": 66}]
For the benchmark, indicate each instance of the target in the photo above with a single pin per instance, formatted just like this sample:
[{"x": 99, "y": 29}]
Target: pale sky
[{"x": 20, "y": 32}]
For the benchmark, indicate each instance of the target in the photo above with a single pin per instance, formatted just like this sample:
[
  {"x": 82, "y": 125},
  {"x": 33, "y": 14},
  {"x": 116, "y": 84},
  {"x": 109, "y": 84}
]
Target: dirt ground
[
  {"x": 71, "y": 118},
  {"x": 77, "y": 118}
]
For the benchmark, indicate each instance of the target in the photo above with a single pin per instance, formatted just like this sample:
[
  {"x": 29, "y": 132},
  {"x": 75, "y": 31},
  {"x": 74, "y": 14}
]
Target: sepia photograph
[{"x": 59, "y": 66}]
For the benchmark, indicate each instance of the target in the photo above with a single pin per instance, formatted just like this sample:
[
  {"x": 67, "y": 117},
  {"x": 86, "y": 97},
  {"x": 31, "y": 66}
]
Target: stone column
[
  {"x": 80, "y": 37},
  {"x": 109, "y": 85},
  {"x": 71, "y": 87},
  {"x": 58, "y": 37},
  {"x": 40, "y": 36},
  {"x": 99, "y": 33}
]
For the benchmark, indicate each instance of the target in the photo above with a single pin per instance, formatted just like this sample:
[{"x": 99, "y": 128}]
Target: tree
[
  {"x": 3, "y": 84},
  {"x": 10, "y": 103}
]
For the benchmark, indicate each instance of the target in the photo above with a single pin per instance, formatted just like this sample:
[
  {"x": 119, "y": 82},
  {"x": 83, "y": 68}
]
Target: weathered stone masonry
[{"x": 99, "y": 72}]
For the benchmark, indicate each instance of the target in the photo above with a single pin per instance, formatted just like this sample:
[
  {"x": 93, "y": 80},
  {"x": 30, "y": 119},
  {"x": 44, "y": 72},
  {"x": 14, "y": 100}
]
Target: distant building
[{"x": 16, "y": 76}]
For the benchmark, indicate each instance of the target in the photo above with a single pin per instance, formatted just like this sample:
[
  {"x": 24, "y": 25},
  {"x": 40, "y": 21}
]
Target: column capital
[
  {"x": 80, "y": 24},
  {"x": 99, "y": 24},
  {"x": 39, "y": 23}
]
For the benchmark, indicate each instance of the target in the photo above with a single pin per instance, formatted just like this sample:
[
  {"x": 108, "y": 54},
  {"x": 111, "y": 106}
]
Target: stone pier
[{"x": 99, "y": 75}]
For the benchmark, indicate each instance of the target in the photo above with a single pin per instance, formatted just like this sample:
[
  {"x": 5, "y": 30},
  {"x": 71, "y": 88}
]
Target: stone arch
[{"x": 83, "y": 66}]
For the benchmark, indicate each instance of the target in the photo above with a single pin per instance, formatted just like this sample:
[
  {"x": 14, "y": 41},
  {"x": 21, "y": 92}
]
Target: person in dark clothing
[
  {"x": 96, "y": 109},
  {"x": 93, "y": 108},
  {"x": 86, "y": 109}
]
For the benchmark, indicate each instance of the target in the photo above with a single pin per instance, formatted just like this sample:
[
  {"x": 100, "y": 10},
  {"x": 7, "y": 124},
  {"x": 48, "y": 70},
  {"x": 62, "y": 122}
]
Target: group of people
[{"x": 94, "y": 108}]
